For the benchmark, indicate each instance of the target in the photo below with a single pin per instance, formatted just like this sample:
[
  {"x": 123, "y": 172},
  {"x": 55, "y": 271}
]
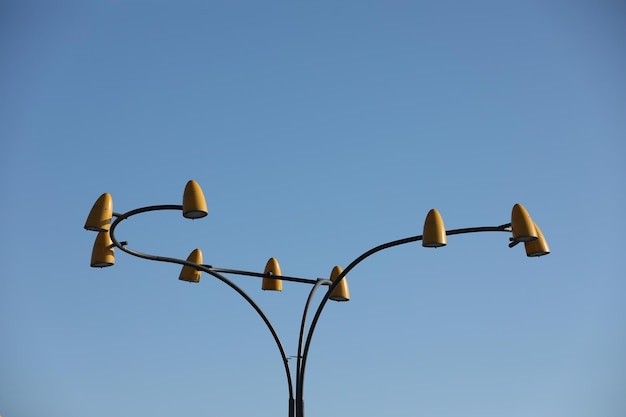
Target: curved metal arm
[
  {"x": 502, "y": 228},
  {"x": 209, "y": 270}
]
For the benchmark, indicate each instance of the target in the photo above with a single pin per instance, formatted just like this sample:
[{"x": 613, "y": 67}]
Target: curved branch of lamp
[
  {"x": 300, "y": 382},
  {"x": 204, "y": 268}
]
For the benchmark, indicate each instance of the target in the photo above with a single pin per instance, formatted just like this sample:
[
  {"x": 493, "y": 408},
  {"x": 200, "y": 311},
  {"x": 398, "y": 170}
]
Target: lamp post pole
[{"x": 194, "y": 206}]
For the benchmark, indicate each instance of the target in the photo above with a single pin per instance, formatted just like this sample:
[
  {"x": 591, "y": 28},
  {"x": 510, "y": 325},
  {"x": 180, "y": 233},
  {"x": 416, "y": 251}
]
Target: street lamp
[{"x": 194, "y": 206}]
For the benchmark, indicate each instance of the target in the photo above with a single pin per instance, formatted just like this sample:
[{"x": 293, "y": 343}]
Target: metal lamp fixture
[
  {"x": 194, "y": 203},
  {"x": 537, "y": 247},
  {"x": 102, "y": 254},
  {"x": 523, "y": 227},
  {"x": 434, "y": 231},
  {"x": 272, "y": 284},
  {"x": 100, "y": 219},
  {"x": 189, "y": 273},
  {"x": 341, "y": 291}
]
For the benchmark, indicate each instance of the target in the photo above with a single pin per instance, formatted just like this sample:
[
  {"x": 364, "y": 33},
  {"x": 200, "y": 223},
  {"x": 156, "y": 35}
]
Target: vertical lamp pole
[{"x": 194, "y": 206}]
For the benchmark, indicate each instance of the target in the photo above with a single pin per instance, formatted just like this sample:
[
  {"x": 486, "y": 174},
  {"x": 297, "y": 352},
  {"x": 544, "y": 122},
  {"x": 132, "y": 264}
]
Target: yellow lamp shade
[
  {"x": 537, "y": 247},
  {"x": 522, "y": 225},
  {"x": 194, "y": 204},
  {"x": 102, "y": 254},
  {"x": 434, "y": 235},
  {"x": 189, "y": 273},
  {"x": 99, "y": 219},
  {"x": 341, "y": 291},
  {"x": 272, "y": 284}
]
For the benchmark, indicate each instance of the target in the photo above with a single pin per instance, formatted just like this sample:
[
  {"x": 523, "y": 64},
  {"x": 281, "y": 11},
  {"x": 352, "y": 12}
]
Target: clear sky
[{"x": 317, "y": 131}]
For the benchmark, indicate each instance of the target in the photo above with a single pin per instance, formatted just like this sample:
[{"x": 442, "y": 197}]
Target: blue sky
[{"x": 317, "y": 131}]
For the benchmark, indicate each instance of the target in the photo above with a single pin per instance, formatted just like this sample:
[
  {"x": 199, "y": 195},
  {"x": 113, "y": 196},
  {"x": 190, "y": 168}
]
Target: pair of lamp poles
[{"x": 194, "y": 206}]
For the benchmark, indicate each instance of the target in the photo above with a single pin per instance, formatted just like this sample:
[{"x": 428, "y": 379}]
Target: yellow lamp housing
[
  {"x": 522, "y": 225},
  {"x": 341, "y": 291},
  {"x": 102, "y": 254},
  {"x": 272, "y": 284},
  {"x": 189, "y": 273},
  {"x": 538, "y": 247},
  {"x": 99, "y": 219},
  {"x": 194, "y": 204},
  {"x": 434, "y": 235}
]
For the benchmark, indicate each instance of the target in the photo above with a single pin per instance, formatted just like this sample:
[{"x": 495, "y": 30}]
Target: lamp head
[
  {"x": 99, "y": 219},
  {"x": 341, "y": 291},
  {"x": 537, "y": 247},
  {"x": 272, "y": 284},
  {"x": 102, "y": 254},
  {"x": 189, "y": 273},
  {"x": 522, "y": 225},
  {"x": 434, "y": 235},
  {"x": 194, "y": 204}
]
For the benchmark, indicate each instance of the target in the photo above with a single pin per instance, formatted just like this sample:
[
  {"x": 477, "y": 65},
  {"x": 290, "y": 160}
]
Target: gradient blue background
[{"x": 317, "y": 131}]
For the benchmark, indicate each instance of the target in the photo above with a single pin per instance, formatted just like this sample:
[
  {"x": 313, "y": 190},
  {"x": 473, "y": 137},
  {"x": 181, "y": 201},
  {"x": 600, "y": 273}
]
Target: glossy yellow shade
[
  {"x": 102, "y": 254},
  {"x": 272, "y": 284},
  {"x": 434, "y": 235},
  {"x": 538, "y": 247},
  {"x": 341, "y": 291},
  {"x": 194, "y": 204},
  {"x": 522, "y": 225},
  {"x": 189, "y": 273},
  {"x": 99, "y": 219}
]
